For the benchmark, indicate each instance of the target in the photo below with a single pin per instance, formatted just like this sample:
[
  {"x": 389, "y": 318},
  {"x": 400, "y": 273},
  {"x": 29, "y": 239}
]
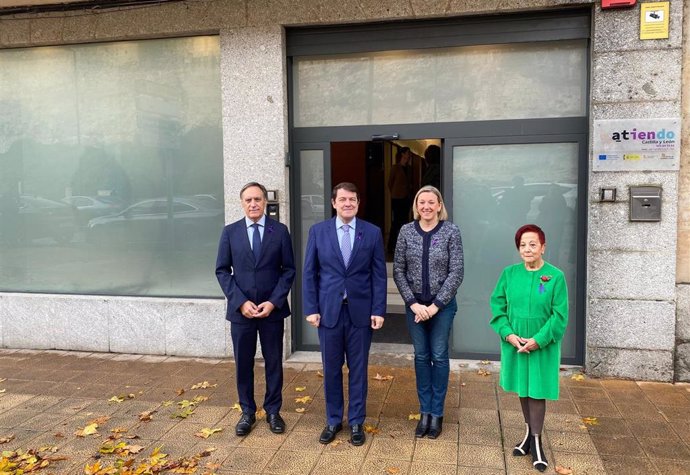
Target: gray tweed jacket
[{"x": 428, "y": 266}]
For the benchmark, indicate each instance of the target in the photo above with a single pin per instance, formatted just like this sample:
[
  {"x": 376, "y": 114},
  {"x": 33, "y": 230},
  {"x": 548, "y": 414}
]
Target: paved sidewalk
[{"x": 598, "y": 426}]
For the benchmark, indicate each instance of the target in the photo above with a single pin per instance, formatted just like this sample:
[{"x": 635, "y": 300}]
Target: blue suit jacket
[
  {"x": 326, "y": 279},
  {"x": 242, "y": 278}
]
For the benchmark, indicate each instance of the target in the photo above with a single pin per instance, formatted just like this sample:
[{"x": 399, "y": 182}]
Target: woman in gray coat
[{"x": 428, "y": 269}]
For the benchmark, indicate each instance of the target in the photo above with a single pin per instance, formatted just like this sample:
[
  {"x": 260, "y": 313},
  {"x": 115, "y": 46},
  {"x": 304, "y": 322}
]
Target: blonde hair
[{"x": 442, "y": 214}]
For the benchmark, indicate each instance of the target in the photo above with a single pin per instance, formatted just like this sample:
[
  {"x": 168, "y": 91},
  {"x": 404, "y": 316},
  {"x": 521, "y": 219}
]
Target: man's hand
[
  {"x": 249, "y": 309},
  {"x": 314, "y": 319},
  {"x": 376, "y": 322},
  {"x": 264, "y": 309}
]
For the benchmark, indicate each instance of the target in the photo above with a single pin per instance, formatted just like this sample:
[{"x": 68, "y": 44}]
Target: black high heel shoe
[
  {"x": 422, "y": 426},
  {"x": 538, "y": 456},
  {"x": 435, "y": 427},
  {"x": 522, "y": 448}
]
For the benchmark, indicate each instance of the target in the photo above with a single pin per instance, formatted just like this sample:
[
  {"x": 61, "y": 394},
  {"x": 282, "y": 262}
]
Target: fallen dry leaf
[
  {"x": 319, "y": 373},
  {"x": 260, "y": 414},
  {"x": 184, "y": 413},
  {"x": 199, "y": 399},
  {"x": 204, "y": 385},
  {"x": 303, "y": 399},
  {"x": 483, "y": 372},
  {"x": 2, "y": 390},
  {"x": 2, "y": 380},
  {"x": 59, "y": 435},
  {"x": 167, "y": 403},
  {"x": 100, "y": 420},
  {"x": 117, "y": 399},
  {"x": 300, "y": 410},
  {"x": 236, "y": 407},
  {"x": 4, "y": 440},
  {"x": 485, "y": 362},
  {"x": 578, "y": 377},
  {"x": 590, "y": 421},
  {"x": 463, "y": 384},
  {"x": 378, "y": 377},
  {"x": 563, "y": 470},
  {"x": 299, "y": 389},
  {"x": 371, "y": 429},
  {"x": 131, "y": 396},
  {"x": 90, "y": 429},
  {"x": 180, "y": 391},
  {"x": 146, "y": 416},
  {"x": 414, "y": 417},
  {"x": 392, "y": 470},
  {"x": 205, "y": 433}
]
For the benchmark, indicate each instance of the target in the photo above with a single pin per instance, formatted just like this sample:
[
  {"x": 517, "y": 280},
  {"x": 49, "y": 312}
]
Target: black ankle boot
[
  {"x": 538, "y": 456},
  {"x": 423, "y": 425},
  {"x": 435, "y": 427},
  {"x": 522, "y": 448}
]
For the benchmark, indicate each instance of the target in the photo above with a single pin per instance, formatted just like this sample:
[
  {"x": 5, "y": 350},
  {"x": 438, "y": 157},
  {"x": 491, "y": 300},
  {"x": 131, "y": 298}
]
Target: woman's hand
[
  {"x": 432, "y": 309},
  {"x": 421, "y": 312},
  {"x": 516, "y": 341},
  {"x": 529, "y": 345}
]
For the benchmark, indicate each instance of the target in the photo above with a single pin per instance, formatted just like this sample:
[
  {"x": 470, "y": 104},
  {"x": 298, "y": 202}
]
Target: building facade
[{"x": 126, "y": 133}]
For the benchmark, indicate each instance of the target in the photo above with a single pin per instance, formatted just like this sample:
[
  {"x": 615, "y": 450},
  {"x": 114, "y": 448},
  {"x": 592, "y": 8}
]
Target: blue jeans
[{"x": 430, "y": 340}]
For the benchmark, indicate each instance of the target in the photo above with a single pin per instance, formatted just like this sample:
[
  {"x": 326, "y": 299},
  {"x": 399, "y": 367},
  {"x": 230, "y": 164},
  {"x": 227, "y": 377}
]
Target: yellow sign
[{"x": 654, "y": 20}]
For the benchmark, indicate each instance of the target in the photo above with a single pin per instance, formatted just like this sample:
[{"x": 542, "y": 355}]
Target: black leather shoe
[
  {"x": 275, "y": 423},
  {"x": 328, "y": 433},
  {"x": 244, "y": 425},
  {"x": 422, "y": 426},
  {"x": 357, "y": 436},
  {"x": 435, "y": 427}
]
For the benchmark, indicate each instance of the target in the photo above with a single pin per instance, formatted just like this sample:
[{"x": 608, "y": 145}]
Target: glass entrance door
[{"x": 495, "y": 190}]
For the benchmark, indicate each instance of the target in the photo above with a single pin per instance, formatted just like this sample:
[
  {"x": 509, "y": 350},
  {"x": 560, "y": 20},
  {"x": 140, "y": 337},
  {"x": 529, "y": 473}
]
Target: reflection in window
[
  {"x": 497, "y": 189},
  {"x": 468, "y": 83},
  {"x": 111, "y": 159}
]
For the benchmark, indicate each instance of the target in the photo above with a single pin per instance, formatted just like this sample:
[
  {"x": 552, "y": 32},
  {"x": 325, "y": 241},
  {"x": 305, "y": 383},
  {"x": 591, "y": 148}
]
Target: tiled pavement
[{"x": 632, "y": 427}]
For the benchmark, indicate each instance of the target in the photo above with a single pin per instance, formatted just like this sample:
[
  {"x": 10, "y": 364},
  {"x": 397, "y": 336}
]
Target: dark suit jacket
[
  {"x": 326, "y": 279},
  {"x": 242, "y": 278}
]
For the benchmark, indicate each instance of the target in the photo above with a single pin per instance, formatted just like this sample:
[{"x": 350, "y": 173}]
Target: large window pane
[
  {"x": 497, "y": 189},
  {"x": 111, "y": 159},
  {"x": 510, "y": 81},
  {"x": 313, "y": 210}
]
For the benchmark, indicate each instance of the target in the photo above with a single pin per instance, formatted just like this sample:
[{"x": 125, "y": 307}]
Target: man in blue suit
[
  {"x": 345, "y": 298},
  {"x": 255, "y": 269}
]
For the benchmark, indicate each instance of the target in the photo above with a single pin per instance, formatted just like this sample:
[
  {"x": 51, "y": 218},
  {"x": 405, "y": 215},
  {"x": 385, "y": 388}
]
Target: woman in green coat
[{"x": 530, "y": 313}]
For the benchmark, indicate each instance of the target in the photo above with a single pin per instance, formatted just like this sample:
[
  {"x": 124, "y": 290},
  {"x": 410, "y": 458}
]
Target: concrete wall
[
  {"x": 631, "y": 290},
  {"x": 683, "y": 275},
  {"x": 631, "y": 315}
]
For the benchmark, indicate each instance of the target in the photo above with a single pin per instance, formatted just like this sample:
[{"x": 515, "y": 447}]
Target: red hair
[{"x": 529, "y": 228}]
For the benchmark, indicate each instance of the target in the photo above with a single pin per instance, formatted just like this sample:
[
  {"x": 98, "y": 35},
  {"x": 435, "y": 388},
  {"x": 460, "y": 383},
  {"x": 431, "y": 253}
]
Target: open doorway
[{"x": 388, "y": 174}]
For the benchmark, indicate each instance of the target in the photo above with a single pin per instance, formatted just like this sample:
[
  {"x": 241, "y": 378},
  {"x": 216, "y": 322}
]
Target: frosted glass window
[
  {"x": 111, "y": 168},
  {"x": 497, "y": 189},
  {"x": 313, "y": 210},
  {"x": 511, "y": 81}
]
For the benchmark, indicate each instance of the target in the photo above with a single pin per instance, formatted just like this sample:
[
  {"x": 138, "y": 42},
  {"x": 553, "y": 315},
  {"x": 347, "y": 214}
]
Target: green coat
[{"x": 531, "y": 304}]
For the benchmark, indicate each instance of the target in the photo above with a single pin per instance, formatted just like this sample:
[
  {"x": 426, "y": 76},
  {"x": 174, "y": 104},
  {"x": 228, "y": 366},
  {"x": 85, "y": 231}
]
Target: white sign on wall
[{"x": 636, "y": 144}]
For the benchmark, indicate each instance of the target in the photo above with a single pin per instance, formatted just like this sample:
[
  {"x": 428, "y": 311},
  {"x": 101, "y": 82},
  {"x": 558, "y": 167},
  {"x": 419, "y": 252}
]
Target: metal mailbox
[{"x": 645, "y": 203}]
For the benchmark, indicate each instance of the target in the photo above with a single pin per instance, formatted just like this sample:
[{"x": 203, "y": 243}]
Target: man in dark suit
[
  {"x": 255, "y": 269},
  {"x": 345, "y": 298}
]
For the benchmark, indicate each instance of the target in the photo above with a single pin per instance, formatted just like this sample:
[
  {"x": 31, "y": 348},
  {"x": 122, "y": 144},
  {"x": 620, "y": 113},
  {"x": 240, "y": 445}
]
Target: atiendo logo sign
[
  {"x": 634, "y": 134},
  {"x": 636, "y": 144}
]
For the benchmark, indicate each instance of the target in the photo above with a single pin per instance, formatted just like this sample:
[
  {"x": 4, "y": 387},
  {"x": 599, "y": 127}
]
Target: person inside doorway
[
  {"x": 432, "y": 172},
  {"x": 400, "y": 186}
]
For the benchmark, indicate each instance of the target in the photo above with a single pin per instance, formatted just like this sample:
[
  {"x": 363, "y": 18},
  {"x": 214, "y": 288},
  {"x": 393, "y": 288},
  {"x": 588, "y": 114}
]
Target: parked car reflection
[
  {"x": 89, "y": 207},
  {"x": 182, "y": 221},
  {"x": 25, "y": 218}
]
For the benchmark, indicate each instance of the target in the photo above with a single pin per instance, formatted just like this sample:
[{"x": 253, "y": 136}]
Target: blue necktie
[
  {"x": 256, "y": 242},
  {"x": 346, "y": 245}
]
